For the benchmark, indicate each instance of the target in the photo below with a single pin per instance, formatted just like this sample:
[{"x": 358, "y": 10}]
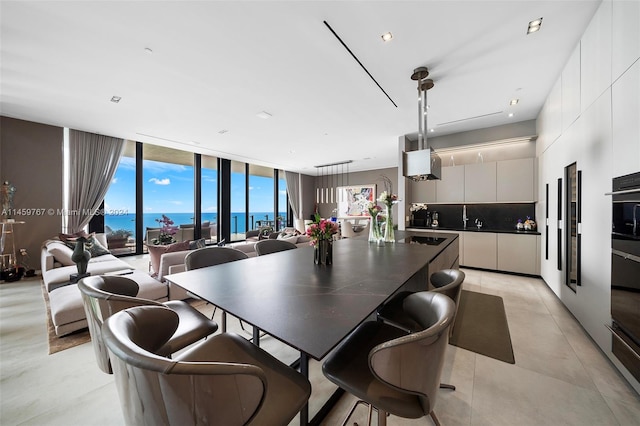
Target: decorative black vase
[
  {"x": 323, "y": 252},
  {"x": 81, "y": 256}
]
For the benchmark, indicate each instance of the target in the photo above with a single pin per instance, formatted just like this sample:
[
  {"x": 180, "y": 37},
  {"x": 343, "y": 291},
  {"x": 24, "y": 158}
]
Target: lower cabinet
[
  {"x": 480, "y": 250},
  {"x": 519, "y": 253}
]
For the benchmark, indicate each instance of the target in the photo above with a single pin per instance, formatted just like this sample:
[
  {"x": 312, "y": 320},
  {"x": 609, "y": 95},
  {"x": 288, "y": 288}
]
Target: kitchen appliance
[
  {"x": 434, "y": 222},
  {"x": 625, "y": 271},
  {"x": 423, "y": 163}
]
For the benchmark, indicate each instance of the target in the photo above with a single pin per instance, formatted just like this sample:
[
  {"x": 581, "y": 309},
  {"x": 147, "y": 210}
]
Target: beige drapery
[{"x": 93, "y": 160}]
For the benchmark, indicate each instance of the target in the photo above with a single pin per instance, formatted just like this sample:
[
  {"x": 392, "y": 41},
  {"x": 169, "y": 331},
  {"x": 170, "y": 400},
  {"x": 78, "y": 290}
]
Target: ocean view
[{"x": 127, "y": 221}]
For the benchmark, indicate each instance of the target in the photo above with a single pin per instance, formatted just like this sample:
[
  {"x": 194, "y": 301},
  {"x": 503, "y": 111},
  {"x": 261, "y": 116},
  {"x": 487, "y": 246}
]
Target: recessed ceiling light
[
  {"x": 115, "y": 99},
  {"x": 264, "y": 114},
  {"x": 534, "y": 26},
  {"x": 432, "y": 130},
  {"x": 514, "y": 101},
  {"x": 387, "y": 36},
  {"x": 148, "y": 50},
  {"x": 511, "y": 114},
  {"x": 222, "y": 132}
]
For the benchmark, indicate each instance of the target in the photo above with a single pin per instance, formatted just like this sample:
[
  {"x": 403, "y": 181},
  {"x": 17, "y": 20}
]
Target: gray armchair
[
  {"x": 390, "y": 370},
  {"x": 211, "y": 256},
  {"x": 223, "y": 380},
  {"x": 273, "y": 246},
  {"x": 106, "y": 295}
]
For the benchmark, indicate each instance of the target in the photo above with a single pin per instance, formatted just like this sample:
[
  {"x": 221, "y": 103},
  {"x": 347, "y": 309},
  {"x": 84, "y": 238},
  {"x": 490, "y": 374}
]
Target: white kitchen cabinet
[
  {"x": 480, "y": 250},
  {"x": 450, "y": 188},
  {"x": 515, "y": 180},
  {"x": 480, "y": 182},
  {"x": 518, "y": 253}
]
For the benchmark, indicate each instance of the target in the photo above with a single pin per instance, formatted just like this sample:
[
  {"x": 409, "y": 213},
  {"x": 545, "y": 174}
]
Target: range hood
[{"x": 423, "y": 163}]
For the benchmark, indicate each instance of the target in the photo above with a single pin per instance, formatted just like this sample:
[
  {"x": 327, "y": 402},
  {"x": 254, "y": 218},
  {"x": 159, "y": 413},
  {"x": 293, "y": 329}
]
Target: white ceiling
[{"x": 217, "y": 64}]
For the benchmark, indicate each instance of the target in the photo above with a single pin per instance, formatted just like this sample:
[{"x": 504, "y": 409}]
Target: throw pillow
[
  {"x": 60, "y": 252},
  {"x": 95, "y": 247},
  {"x": 197, "y": 244},
  {"x": 182, "y": 246}
]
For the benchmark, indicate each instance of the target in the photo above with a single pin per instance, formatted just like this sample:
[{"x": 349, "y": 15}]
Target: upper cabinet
[
  {"x": 450, "y": 188},
  {"x": 515, "y": 180},
  {"x": 480, "y": 182},
  {"x": 505, "y": 181}
]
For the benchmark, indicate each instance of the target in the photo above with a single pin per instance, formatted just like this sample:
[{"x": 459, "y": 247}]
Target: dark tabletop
[{"x": 311, "y": 307}]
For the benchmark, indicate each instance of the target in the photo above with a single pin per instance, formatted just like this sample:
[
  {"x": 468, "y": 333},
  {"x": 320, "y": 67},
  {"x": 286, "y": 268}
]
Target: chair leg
[
  {"x": 353, "y": 408},
  {"x": 434, "y": 418},
  {"x": 447, "y": 386},
  {"x": 382, "y": 418}
]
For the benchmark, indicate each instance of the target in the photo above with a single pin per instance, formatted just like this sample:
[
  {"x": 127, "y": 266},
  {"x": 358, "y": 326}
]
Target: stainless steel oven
[{"x": 625, "y": 271}]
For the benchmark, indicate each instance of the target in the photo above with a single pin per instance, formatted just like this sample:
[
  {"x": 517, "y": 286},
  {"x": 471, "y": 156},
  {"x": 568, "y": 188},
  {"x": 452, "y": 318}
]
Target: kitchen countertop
[{"x": 473, "y": 229}]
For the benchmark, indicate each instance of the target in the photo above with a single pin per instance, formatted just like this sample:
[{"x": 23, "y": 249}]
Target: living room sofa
[{"x": 65, "y": 300}]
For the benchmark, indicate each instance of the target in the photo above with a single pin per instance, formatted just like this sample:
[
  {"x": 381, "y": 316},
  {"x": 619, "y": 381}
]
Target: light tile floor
[{"x": 560, "y": 376}]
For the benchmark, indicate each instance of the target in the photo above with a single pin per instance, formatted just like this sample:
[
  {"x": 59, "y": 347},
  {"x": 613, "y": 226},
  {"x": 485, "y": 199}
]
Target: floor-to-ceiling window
[
  {"x": 209, "y": 198},
  {"x": 120, "y": 204},
  {"x": 168, "y": 189},
  {"x": 261, "y": 198},
  {"x": 163, "y": 185},
  {"x": 238, "y": 218}
]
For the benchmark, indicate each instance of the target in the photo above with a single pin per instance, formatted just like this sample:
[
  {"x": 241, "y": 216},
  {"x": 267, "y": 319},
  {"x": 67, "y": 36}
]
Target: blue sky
[{"x": 168, "y": 188}]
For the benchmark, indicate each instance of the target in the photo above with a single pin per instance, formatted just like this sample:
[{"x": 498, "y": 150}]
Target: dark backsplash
[{"x": 493, "y": 216}]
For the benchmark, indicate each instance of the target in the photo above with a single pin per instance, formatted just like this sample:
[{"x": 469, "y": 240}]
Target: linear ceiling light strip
[{"x": 358, "y": 61}]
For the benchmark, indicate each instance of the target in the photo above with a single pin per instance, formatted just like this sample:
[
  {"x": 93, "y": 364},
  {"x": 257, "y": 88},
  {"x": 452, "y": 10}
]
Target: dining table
[{"x": 311, "y": 307}]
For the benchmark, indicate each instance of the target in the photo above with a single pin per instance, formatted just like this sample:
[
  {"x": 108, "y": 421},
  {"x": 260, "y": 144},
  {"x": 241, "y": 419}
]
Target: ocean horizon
[{"x": 150, "y": 220}]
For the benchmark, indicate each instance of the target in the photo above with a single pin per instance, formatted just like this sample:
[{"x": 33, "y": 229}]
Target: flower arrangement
[
  {"x": 415, "y": 207},
  {"x": 167, "y": 231},
  {"x": 321, "y": 230},
  {"x": 388, "y": 199}
]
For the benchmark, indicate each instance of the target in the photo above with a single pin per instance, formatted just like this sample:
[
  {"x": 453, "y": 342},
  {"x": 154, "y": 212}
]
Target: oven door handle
[
  {"x": 626, "y": 191},
  {"x": 621, "y": 340},
  {"x": 635, "y": 219},
  {"x": 626, "y": 256}
]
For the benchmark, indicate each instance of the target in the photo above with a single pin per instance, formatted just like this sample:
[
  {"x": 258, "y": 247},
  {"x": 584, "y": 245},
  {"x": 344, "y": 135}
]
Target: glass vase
[
  {"x": 375, "y": 233},
  {"x": 323, "y": 252},
  {"x": 389, "y": 236}
]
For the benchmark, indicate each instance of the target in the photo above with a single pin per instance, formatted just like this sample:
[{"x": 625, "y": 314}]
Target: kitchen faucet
[
  {"x": 464, "y": 215},
  {"x": 478, "y": 223}
]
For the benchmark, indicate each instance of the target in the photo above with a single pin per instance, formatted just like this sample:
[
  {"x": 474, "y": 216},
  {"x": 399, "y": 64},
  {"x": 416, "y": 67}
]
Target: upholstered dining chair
[
  {"x": 224, "y": 380},
  {"x": 390, "y": 370},
  {"x": 106, "y": 295},
  {"x": 447, "y": 281},
  {"x": 273, "y": 246},
  {"x": 211, "y": 256},
  {"x": 346, "y": 229}
]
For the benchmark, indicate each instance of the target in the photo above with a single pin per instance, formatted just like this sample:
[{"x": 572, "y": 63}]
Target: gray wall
[
  {"x": 591, "y": 118},
  {"x": 357, "y": 178},
  {"x": 31, "y": 160}
]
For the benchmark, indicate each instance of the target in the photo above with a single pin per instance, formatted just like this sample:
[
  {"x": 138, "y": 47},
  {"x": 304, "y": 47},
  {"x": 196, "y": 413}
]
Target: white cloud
[
  {"x": 165, "y": 181},
  {"x": 177, "y": 202},
  {"x": 114, "y": 180}
]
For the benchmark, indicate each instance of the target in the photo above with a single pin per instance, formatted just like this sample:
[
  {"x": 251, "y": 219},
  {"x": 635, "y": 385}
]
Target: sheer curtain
[
  {"x": 93, "y": 160},
  {"x": 293, "y": 191}
]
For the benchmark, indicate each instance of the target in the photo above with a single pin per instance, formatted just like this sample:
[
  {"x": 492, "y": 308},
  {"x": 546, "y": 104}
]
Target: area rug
[
  {"x": 57, "y": 344},
  {"x": 481, "y": 326}
]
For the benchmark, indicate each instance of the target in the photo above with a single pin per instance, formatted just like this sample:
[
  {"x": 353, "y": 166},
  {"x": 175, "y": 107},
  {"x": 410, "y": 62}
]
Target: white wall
[{"x": 592, "y": 117}]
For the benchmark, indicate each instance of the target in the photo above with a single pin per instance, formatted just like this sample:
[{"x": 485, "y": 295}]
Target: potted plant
[{"x": 118, "y": 238}]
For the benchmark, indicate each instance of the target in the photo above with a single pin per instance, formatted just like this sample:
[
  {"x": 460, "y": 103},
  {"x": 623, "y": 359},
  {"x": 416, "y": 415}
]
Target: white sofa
[
  {"x": 65, "y": 300},
  {"x": 172, "y": 263}
]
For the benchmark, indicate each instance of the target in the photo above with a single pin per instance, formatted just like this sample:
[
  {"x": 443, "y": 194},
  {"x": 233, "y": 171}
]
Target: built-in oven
[{"x": 625, "y": 271}]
